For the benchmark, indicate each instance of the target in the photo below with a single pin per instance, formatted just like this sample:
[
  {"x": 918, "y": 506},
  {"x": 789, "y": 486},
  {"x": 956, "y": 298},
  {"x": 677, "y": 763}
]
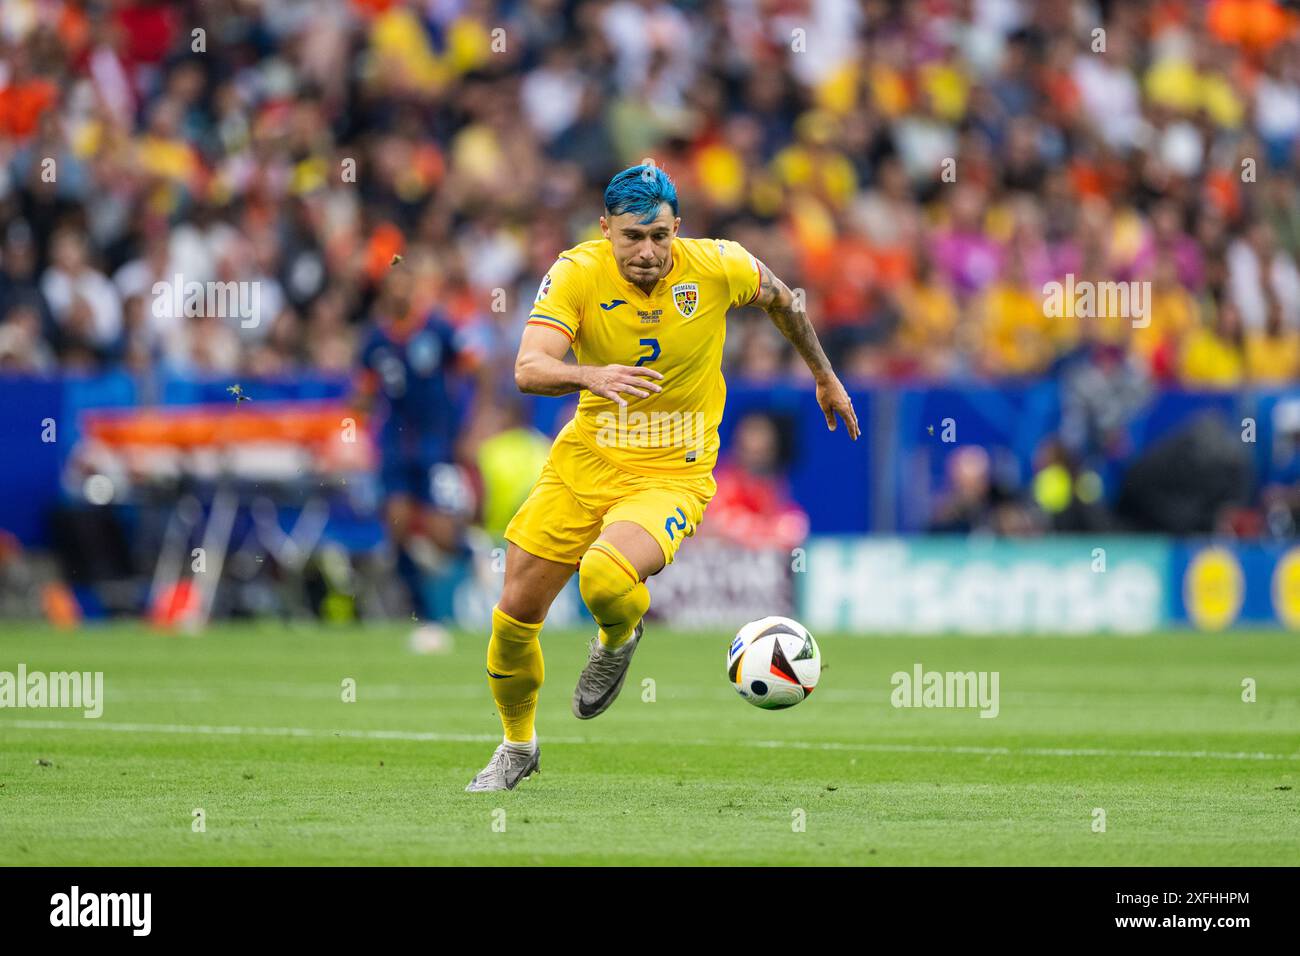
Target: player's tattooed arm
[
  {"x": 775, "y": 298},
  {"x": 786, "y": 312},
  {"x": 540, "y": 369}
]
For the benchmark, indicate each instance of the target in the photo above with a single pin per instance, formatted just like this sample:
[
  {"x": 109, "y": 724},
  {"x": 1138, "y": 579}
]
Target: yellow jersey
[
  {"x": 678, "y": 330},
  {"x": 1272, "y": 359}
]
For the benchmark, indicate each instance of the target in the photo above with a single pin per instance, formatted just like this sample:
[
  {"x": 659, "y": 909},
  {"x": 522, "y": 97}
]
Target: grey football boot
[
  {"x": 505, "y": 770},
  {"x": 602, "y": 678}
]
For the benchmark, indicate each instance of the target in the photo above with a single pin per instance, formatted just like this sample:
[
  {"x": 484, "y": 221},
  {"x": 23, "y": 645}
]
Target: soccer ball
[{"x": 774, "y": 663}]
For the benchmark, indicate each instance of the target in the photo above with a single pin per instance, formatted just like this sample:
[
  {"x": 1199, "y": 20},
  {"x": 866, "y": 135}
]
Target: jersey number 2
[{"x": 654, "y": 351}]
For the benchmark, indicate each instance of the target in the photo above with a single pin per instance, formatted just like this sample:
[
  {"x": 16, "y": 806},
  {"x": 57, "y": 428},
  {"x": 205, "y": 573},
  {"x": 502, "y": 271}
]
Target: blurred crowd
[{"x": 919, "y": 169}]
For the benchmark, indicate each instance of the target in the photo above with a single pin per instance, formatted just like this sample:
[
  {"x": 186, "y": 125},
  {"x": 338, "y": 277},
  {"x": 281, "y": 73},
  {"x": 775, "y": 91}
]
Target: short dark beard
[{"x": 668, "y": 267}]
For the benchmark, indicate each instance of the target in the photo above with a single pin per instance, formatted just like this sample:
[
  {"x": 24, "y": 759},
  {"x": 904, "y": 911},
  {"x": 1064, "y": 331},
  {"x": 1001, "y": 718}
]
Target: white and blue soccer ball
[{"x": 774, "y": 662}]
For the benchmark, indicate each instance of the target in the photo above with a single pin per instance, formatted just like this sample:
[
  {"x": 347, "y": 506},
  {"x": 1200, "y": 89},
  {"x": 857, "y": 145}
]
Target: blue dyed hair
[{"x": 640, "y": 189}]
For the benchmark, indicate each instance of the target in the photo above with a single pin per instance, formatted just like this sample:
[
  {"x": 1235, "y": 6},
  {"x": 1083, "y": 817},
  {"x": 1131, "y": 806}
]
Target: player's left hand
[{"x": 834, "y": 400}]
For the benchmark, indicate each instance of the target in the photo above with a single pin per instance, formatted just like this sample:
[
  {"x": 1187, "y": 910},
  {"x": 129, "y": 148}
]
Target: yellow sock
[
  {"x": 515, "y": 673},
  {"x": 614, "y": 592}
]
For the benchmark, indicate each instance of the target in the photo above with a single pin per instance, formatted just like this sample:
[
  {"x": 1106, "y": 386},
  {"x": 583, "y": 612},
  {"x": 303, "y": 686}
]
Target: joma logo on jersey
[{"x": 686, "y": 296}]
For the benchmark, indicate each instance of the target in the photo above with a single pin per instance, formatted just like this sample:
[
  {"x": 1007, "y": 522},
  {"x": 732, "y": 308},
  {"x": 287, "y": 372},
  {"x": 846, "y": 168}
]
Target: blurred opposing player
[
  {"x": 629, "y": 476},
  {"x": 411, "y": 360}
]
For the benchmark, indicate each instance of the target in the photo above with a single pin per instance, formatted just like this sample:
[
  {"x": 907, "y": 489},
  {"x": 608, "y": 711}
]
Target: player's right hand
[{"x": 613, "y": 381}]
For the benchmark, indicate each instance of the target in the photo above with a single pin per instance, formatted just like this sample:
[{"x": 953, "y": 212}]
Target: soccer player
[
  {"x": 414, "y": 361},
  {"x": 628, "y": 478}
]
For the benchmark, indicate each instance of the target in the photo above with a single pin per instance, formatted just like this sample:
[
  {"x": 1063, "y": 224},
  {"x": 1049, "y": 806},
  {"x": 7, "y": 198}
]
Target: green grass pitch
[{"x": 248, "y": 723}]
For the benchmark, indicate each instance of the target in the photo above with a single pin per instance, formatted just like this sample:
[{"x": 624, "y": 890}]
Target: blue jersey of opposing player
[{"x": 408, "y": 366}]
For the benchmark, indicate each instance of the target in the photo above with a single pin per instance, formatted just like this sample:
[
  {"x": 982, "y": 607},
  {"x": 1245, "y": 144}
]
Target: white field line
[
  {"x": 434, "y": 737},
  {"x": 141, "y": 692}
]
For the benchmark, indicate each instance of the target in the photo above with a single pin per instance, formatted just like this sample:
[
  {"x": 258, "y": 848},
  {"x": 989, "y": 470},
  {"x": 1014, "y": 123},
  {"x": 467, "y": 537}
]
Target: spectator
[
  {"x": 83, "y": 302},
  {"x": 752, "y": 505},
  {"x": 1258, "y": 271},
  {"x": 1272, "y": 355},
  {"x": 1212, "y": 355},
  {"x": 974, "y": 502}
]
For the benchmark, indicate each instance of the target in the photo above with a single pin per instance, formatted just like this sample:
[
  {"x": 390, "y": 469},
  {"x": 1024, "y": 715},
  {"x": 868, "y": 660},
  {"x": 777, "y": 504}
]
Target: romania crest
[{"x": 686, "y": 296}]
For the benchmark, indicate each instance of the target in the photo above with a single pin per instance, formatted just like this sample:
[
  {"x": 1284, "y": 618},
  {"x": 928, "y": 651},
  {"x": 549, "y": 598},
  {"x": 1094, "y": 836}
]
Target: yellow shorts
[{"x": 579, "y": 493}]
